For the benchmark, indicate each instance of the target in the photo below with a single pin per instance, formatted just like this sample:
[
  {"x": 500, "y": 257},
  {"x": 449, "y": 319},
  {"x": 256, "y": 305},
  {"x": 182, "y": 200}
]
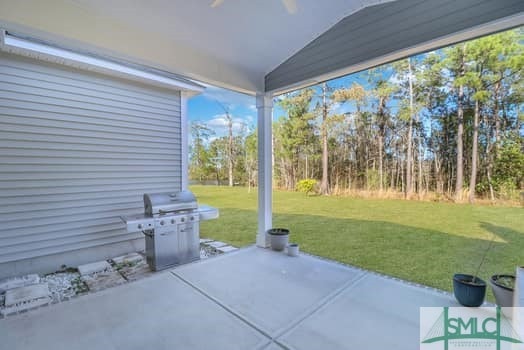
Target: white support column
[
  {"x": 265, "y": 149},
  {"x": 184, "y": 129}
]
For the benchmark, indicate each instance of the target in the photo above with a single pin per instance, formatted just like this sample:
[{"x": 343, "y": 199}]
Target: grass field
[{"x": 424, "y": 242}]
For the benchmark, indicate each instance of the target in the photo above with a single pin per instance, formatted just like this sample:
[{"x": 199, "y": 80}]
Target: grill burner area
[{"x": 171, "y": 224}]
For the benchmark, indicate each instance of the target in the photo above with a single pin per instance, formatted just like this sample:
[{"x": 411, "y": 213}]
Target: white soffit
[
  {"x": 26, "y": 47},
  {"x": 233, "y": 45}
]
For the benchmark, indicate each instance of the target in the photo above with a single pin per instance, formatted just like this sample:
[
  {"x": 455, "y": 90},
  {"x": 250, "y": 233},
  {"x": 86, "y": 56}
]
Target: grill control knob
[
  {"x": 139, "y": 226},
  {"x": 183, "y": 219},
  {"x": 162, "y": 222},
  {"x": 192, "y": 218},
  {"x": 172, "y": 221}
]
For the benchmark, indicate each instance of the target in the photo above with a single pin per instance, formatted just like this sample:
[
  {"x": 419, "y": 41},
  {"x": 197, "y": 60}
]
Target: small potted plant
[
  {"x": 470, "y": 290},
  {"x": 502, "y": 287},
  {"x": 279, "y": 238}
]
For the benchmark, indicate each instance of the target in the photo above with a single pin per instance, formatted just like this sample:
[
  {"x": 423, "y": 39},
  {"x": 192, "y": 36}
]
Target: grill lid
[{"x": 164, "y": 203}]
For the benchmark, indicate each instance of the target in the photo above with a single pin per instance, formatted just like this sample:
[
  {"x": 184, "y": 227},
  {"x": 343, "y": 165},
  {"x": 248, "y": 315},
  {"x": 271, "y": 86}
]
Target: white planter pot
[{"x": 292, "y": 249}]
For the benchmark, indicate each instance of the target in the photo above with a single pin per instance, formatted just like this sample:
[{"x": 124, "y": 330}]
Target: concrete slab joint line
[
  {"x": 321, "y": 304},
  {"x": 274, "y": 337},
  {"x": 223, "y": 306}
]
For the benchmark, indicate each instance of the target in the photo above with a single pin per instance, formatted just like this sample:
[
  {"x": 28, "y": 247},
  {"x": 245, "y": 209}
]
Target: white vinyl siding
[{"x": 77, "y": 150}]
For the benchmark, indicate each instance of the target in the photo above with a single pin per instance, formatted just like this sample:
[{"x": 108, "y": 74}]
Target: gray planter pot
[
  {"x": 279, "y": 238},
  {"x": 503, "y": 294},
  {"x": 292, "y": 249}
]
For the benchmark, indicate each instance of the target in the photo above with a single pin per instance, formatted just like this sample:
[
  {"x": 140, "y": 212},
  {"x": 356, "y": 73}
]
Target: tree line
[{"x": 447, "y": 123}]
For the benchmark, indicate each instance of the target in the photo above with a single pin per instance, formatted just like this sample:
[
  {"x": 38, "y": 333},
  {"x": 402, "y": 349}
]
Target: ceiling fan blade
[
  {"x": 216, "y": 3},
  {"x": 291, "y": 6}
]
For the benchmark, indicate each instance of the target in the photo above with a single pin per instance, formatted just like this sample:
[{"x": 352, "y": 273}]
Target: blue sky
[{"x": 208, "y": 108}]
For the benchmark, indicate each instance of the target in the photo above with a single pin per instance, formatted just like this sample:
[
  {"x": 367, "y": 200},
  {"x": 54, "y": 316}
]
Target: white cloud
[{"x": 219, "y": 124}]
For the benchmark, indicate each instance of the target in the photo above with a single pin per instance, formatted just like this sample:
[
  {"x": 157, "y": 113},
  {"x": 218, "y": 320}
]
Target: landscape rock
[
  {"x": 96, "y": 267},
  {"x": 61, "y": 284},
  {"x": 207, "y": 251},
  {"x": 16, "y": 282},
  {"x": 205, "y": 240}
]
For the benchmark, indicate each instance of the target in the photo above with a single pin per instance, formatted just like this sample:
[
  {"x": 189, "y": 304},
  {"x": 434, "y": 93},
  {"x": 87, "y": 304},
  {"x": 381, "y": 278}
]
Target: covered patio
[
  {"x": 249, "y": 299},
  {"x": 252, "y": 298}
]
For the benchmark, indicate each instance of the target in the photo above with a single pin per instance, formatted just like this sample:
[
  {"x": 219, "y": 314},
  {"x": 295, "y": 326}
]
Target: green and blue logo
[{"x": 466, "y": 328}]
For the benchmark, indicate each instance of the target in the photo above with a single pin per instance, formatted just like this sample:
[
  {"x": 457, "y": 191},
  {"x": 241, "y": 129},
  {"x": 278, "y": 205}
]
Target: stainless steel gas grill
[{"x": 171, "y": 223}]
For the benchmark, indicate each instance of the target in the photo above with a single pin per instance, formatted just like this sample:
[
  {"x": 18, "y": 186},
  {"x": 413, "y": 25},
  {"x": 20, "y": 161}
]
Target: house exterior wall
[
  {"x": 77, "y": 151},
  {"x": 357, "y": 41}
]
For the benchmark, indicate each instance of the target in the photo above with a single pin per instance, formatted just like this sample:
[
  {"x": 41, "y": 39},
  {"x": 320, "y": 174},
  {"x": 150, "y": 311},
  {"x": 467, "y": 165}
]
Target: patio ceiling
[
  {"x": 256, "y": 45},
  {"x": 233, "y": 45}
]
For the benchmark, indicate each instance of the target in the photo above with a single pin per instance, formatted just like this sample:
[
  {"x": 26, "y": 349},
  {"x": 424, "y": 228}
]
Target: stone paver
[
  {"x": 103, "y": 280},
  {"x": 23, "y": 298},
  {"x": 135, "y": 271},
  {"x": 227, "y": 249},
  {"x": 23, "y": 294},
  {"x": 131, "y": 258},
  {"x": 205, "y": 240},
  {"x": 217, "y": 244},
  {"x": 96, "y": 267},
  {"x": 15, "y": 282}
]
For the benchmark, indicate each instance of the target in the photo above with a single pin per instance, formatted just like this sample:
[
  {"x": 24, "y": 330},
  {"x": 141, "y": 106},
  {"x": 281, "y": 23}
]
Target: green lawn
[{"x": 423, "y": 242}]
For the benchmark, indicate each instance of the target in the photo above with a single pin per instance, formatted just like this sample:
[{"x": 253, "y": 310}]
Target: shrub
[{"x": 307, "y": 185}]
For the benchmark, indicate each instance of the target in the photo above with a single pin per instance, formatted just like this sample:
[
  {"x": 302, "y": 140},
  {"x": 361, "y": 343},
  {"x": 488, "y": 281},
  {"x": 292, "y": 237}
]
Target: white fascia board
[
  {"x": 35, "y": 49},
  {"x": 474, "y": 32}
]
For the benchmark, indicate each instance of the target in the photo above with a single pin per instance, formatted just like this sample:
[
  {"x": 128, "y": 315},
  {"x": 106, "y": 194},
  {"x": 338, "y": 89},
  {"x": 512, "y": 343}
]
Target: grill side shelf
[
  {"x": 206, "y": 212},
  {"x": 137, "y": 223}
]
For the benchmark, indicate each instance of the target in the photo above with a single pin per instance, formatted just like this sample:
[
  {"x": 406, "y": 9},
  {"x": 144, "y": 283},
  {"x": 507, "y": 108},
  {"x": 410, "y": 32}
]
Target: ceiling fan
[{"x": 290, "y": 5}]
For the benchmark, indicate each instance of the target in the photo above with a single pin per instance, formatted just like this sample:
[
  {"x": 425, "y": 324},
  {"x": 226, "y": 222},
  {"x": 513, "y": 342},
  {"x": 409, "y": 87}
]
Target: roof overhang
[
  {"x": 387, "y": 32},
  {"x": 30, "y": 47},
  {"x": 256, "y": 46}
]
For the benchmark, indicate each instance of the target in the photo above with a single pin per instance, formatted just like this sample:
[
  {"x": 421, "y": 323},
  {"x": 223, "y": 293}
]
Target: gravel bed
[
  {"x": 207, "y": 251},
  {"x": 63, "y": 285},
  {"x": 68, "y": 283}
]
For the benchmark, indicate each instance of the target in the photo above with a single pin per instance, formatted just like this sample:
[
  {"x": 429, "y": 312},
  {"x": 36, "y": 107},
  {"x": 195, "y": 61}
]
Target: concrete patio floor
[{"x": 249, "y": 299}]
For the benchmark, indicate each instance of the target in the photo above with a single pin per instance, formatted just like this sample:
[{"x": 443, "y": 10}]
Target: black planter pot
[
  {"x": 467, "y": 292},
  {"x": 503, "y": 294}
]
